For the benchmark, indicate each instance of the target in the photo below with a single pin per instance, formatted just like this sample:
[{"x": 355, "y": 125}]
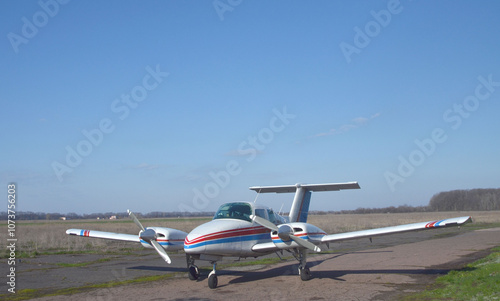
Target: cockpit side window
[
  {"x": 234, "y": 210},
  {"x": 272, "y": 218},
  {"x": 261, "y": 213}
]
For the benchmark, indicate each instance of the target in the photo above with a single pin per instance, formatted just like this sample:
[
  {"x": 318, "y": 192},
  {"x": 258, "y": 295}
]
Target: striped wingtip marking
[{"x": 85, "y": 233}]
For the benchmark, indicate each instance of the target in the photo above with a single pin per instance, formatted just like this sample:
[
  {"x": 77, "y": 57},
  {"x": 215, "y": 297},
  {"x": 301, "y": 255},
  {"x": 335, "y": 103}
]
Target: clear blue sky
[{"x": 187, "y": 104}]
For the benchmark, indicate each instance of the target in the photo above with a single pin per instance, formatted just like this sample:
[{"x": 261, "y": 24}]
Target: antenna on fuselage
[{"x": 255, "y": 201}]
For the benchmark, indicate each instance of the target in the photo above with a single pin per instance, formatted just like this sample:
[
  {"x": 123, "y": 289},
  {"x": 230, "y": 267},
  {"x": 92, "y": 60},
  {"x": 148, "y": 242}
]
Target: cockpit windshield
[{"x": 234, "y": 210}]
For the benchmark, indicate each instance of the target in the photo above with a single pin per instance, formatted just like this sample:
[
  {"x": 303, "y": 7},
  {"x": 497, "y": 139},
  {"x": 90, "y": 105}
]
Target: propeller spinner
[
  {"x": 285, "y": 232},
  {"x": 149, "y": 236}
]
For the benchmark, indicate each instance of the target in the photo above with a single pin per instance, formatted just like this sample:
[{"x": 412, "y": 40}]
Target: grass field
[
  {"x": 47, "y": 237},
  {"x": 479, "y": 280}
]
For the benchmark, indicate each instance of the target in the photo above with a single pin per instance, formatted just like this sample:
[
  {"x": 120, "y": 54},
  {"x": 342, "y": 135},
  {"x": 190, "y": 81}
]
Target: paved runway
[{"x": 360, "y": 271}]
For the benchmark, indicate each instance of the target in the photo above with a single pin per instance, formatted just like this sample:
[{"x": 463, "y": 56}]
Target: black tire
[
  {"x": 212, "y": 281},
  {"x": 305, "y": 274},
  {"x": 193, "y": 273}
]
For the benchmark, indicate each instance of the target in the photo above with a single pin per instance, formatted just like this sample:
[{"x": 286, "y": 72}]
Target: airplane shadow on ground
[
  {"x": 292, "y": 270},
  {"x": 157, "y": 268}
]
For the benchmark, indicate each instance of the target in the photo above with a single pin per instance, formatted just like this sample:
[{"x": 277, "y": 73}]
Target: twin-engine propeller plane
[{"x": 244, "y": 229}]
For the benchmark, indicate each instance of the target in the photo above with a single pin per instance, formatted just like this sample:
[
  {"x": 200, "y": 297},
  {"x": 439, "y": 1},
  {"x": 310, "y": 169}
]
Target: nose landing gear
[
  {"x": 194, "y": 272},
  {"x": 212, "y": 277}
]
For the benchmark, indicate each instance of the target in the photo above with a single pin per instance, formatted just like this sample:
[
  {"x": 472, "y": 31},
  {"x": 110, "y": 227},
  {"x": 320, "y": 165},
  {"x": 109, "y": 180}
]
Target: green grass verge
[
  {"x": 478, "y": 226},
  {"x": 476, "y": 281},
  {"x": 27, "y": 294}
]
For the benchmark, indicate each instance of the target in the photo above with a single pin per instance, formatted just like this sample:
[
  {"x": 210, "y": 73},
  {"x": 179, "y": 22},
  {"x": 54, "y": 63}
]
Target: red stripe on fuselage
[{"x": 226, "y": 234}]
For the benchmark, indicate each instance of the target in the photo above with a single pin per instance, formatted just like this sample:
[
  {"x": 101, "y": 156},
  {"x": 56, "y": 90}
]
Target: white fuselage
[
  {"x": 226, "y": 237},
  {"x": 238, "y": 238}
]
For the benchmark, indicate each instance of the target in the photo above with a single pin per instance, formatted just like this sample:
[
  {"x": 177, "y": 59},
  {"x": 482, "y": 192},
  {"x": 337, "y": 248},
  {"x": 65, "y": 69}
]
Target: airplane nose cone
[{"x": 194, "y": 244}]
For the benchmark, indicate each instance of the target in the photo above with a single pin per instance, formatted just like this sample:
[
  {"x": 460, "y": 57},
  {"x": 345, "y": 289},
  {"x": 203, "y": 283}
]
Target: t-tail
[{"x": 302, "y": 199}]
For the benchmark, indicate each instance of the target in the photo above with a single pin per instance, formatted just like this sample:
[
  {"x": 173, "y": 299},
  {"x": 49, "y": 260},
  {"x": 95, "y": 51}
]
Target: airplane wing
[
  {"x": 396, "y": 229},
  {"x": 271, "y": 247},
  {"x": 265, "y": 247},
  {"x": 105, "y": 235},
  {"x": 158, "y": 238}
]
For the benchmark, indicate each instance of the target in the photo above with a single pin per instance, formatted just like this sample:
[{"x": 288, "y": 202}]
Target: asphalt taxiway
[{"x": 357, "y": 270}]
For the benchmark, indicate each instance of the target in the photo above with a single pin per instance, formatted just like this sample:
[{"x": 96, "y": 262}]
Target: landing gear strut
[
  {"x": 212, "y": 277},
  {"x": 193, "y": 271},
  {"x": 304, "y": 272}
]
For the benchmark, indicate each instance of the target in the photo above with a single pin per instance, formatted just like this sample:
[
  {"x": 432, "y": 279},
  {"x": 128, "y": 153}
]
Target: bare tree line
[
  {"x": 455, "y": 200},
  {"x": 466, "y": 200}
]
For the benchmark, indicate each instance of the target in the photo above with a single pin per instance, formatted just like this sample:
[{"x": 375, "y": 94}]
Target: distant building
[{"x": 112, "y": 217}]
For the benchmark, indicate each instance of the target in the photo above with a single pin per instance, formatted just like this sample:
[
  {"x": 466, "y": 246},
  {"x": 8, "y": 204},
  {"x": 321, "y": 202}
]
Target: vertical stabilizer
[
  {"x": 300, "y": 205},
  {"x": 302, "y": 199}
]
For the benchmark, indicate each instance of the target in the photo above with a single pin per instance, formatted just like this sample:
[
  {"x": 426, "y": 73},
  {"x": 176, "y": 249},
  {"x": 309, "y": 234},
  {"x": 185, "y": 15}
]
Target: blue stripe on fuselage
[{"x": 262, "y": 236}]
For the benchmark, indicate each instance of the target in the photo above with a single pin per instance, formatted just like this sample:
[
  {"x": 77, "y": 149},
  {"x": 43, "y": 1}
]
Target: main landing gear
[
  {"x": 304, "y": 272},
  {"x": 194, "y": 272}
]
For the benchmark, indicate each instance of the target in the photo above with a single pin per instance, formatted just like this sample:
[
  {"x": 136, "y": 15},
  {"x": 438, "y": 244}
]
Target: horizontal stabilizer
[
  {"x": 300, "y": 205},
  {"x": 308, "y": 187},
  {"x": 104, "y": 235}
]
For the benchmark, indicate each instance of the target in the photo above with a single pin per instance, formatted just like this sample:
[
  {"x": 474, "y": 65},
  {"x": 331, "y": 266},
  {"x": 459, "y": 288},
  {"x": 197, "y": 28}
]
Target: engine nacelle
[
  {"x": 169, "y": 239},
  {"x": 305, "y": 231}
]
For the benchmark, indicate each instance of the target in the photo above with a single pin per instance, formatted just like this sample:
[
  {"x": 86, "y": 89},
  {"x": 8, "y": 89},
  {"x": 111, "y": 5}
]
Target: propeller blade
[
  {"x": 264, "y": 222},
  {"x": 150, "y": 237},
  {"x": 160, "y": 251},
  {"x": 301, "y": 242},
  {"x": 136, "y": 221},
  {"x": 304, "y": 243}
]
